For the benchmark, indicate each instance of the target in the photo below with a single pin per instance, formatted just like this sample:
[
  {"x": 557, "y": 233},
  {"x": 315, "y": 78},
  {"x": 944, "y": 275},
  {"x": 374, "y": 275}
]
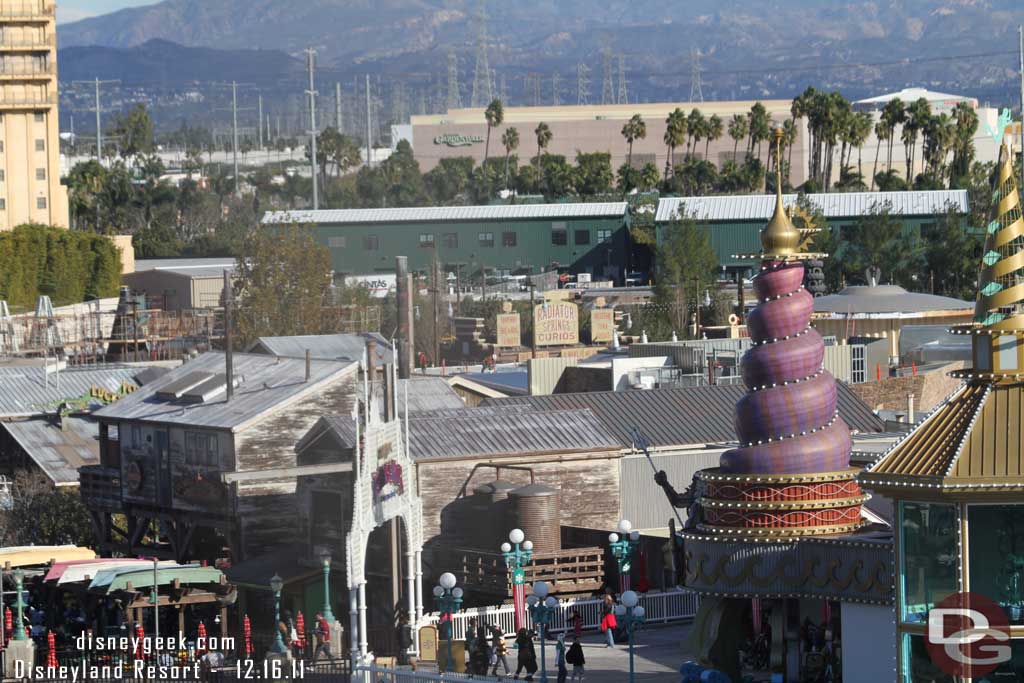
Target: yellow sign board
[
  {"x": 508, "y": 330},
  {"x": 602, "y": 324},
  {"x": 428, "y": 644},
  {"x": 556, "y": 324}
]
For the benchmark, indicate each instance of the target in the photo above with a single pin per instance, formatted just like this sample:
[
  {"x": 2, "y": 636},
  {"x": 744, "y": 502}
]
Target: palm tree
[
  {"x": 737, "y": 131},
  {"x": 882, "y": 133},
  {"x": 695, "y": 126},
  {"x": 495, "y": 115},
  {"x": 860, "y": 129},
  {"x": 634, "y": 129},
  {"x": 919, "y": 115},
  {"x": 789, "y": 141},
  {"x": 648, "y": 176},
  {"x": 966, "y": 126},
  {"x": 713, "y": 131},
  {"x": 893, "y": 114},
  {"x": 760, "y": 126},
  {"x": 510, "y": 139},
  {"x": 543, "y": 133},
  {"x": 675, "y": 135}
]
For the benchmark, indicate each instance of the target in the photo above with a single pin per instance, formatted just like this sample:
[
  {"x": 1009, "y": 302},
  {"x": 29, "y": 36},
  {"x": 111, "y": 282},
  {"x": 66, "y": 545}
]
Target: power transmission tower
[
  {"x": 310, "y": 58},
  {"x": 454, "y": 99},
  {"x": 623, "y": 94},
  {"x": 483, "y": 93},
  {"x": 582, "y": 84},
  {"x": 607, "y": 85},
  {"x": 696, "y": 87},
  {"x": 398, "y": 105},
  {"x": 531, "y": 86},
  {"x": 259, "y": 124},
  {"x": 554, "y": 89},
  {"x": 234, "y": 127},
  {"x": 337, "y": 106},
  {"x": 99, "y": 122},
  {"x": 503, "y": 89}
]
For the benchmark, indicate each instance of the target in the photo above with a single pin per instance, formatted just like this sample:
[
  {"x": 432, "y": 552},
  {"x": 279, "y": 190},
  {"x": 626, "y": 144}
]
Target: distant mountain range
[{"x": 748, "y": 48}]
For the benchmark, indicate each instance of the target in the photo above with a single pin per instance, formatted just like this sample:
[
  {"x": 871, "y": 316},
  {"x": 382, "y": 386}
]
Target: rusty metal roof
[
  {"x": 677, "y": 417},
  {"x": 33, "y": 390},
  {"x": 971, "y": 441},
  {"x": 58, "y": 452}
]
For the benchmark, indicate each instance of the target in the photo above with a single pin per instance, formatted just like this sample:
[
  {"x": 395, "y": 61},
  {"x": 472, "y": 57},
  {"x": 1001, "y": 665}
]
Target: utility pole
[
  {"x": 337, "y": 106},
  {"x": 259, "y": 126},
  {"x": 234, "y": 128},
  {"x": 369, "y": 140},
  {"x": 310, "y": 56},
  {"x": 96, "y": 83}
]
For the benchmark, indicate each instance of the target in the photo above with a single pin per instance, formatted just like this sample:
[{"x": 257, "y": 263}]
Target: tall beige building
[{"x": 30, "y": 189}]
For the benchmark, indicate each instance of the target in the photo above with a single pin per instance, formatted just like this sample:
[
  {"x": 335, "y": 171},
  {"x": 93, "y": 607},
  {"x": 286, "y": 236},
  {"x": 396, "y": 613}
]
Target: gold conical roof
[
  {"x": 1000, "y": 304},
  {"x": 780, "y": 238}
]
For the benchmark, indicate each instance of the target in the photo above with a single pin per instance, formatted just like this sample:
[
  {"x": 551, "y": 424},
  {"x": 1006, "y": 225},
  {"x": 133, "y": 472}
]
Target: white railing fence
[
  {"x": 677, "y": 605},
  {"x": 374, "y": 674}
]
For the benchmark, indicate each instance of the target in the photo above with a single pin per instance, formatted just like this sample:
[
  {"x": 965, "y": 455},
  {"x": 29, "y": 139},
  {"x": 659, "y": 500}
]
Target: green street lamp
[
  {"x": 325, "y": 559},
  {"x": 19, "y": 628},
  {"x": 623, "y": 548},
  {"x": 276, "y": 584},
  {"x": 542, "y": 608},
  {"x": 448, "y": 599},
  {"x": 630, "y": 615},
  {"x": 517, "y": 555}
]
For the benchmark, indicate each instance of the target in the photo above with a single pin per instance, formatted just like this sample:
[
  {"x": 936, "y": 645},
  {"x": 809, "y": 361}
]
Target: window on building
[
  {"x": 40, "y": 117},
  {"x": 604, "y": 236},
  {"x": 40, "y": 145},
  {"x": 3, "y": 175},
  {"x": 371, "y": 243},
  {"x": 338, "y": 242},
  {"x": 3, "y": 204},
  {"x": 201, "y": 449},
  {"x": 450, "y": 240},
  {"x": 1, "y": 141},
  {"x": 40, "y": 202},
  {"x": 508, "y": 239},
  {"x": 485, "y": 239},
  {"x": 930, "y": 557},
  {"x": 40, "y": 174},
  {"x": 559, "y": 236},
  {"x": 995, "y": 549},
  {"x": 582, "y": 237},
  {"x": 427, "y": 240},
  {"x": 136, "y": 431}
]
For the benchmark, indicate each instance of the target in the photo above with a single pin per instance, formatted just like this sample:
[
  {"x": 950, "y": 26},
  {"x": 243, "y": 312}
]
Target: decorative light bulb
[
  {"x": 506, "y": 547},
  {"x": 613, "y": 537},
  {"x": 630, "y": 599},
  {"x": 527, "y": 545},
  {"x": 458, "y": 593},
  {"x": 447, "y": 580},
  {"x": 625, "y": 526},
  {"x": 541, "y": 589},
  {"x": 516, "y": 535}
]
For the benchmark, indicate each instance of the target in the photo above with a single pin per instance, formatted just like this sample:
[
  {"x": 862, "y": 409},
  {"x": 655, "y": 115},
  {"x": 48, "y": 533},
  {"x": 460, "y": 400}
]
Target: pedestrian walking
[
  {"x": 577, "y": 623},
  {"x": 499, "y": 651},
  {"x": 322, "y": 636},
  {"x": 560, "y": 658},
  {"x": 405, "y": 641},
  {"x": 575, "y": 657},
  {"x": 527, "y": 657},
  {"x": 608, "y": 622}
]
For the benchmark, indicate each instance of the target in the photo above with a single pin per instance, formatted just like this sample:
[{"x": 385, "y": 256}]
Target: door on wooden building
[{"x": 164, "y": 463}]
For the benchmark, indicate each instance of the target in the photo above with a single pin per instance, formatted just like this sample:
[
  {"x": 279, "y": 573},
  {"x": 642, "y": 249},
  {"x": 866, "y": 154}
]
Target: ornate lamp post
[
  {"x": 19, "y": 628},
  {"x": 517, "y": 555},
  {"x": 630, "y": 616},
  {"x": 622, "y": 548},
  {"x": 325, "y": 559},
  {"x": 542, "y": 607},
  {"x": 448, "y": 599},
  {"x": 276, "y": 584}
]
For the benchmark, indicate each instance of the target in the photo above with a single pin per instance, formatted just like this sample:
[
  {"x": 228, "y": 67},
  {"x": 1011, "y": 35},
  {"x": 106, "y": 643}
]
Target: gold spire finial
[
  {"x": 780, "y": 238},
  {"x": 1000, "y": 294}
]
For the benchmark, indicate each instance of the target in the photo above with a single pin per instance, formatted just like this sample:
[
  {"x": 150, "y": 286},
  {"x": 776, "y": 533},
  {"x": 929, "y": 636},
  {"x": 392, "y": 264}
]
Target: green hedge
[{"x": 67, "y": 265}]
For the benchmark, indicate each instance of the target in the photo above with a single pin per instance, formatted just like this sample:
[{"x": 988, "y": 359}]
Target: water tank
[
  {"x": 490, "y": 514},
  {"x": 538, "y": 510}
]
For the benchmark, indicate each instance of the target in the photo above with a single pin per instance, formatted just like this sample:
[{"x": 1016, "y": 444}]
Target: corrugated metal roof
[
  {"x": 30, "y": 390},
  {"x": 833, "y": 205},
  {"x": 515, "y": 432},
  {"x": 264, "y": 383},
  {"x": 677, "y": 417},
  {"x": 58, "y": 452},
  {"x": 345, "y": 347},
  {"x": 174, "y": 263},
  {"x": 422, "y": 214},
  {"x": 428, "y": 393}
]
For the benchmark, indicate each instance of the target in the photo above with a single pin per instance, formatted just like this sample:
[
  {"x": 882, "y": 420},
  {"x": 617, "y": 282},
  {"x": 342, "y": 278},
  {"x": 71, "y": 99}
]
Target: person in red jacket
[{"x": 322, "y": 633}]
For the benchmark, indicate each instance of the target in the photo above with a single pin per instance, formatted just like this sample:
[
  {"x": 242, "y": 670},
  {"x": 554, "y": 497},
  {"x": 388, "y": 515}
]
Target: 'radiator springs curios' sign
[{"x": 557, "y": 324}]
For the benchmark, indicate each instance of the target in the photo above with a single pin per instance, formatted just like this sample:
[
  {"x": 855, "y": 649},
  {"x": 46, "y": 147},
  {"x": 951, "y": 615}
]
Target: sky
[{"x": 72, "y": 10}]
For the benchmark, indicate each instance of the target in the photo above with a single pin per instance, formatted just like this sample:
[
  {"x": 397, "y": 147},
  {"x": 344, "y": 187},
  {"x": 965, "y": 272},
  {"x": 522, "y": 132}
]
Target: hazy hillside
[{"x": 749, "y": 47}]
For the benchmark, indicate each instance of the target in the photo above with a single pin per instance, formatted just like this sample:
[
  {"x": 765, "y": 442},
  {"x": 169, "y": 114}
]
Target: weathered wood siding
[
  {"x": 267, "y": 511},
  {"x": 589, "y": 486}
]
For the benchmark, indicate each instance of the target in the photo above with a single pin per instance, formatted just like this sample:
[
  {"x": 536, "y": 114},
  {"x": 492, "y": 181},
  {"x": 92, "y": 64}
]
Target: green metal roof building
[
  {"x": 734, "y": 222},
  {"x": 581, "y": 237}
]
